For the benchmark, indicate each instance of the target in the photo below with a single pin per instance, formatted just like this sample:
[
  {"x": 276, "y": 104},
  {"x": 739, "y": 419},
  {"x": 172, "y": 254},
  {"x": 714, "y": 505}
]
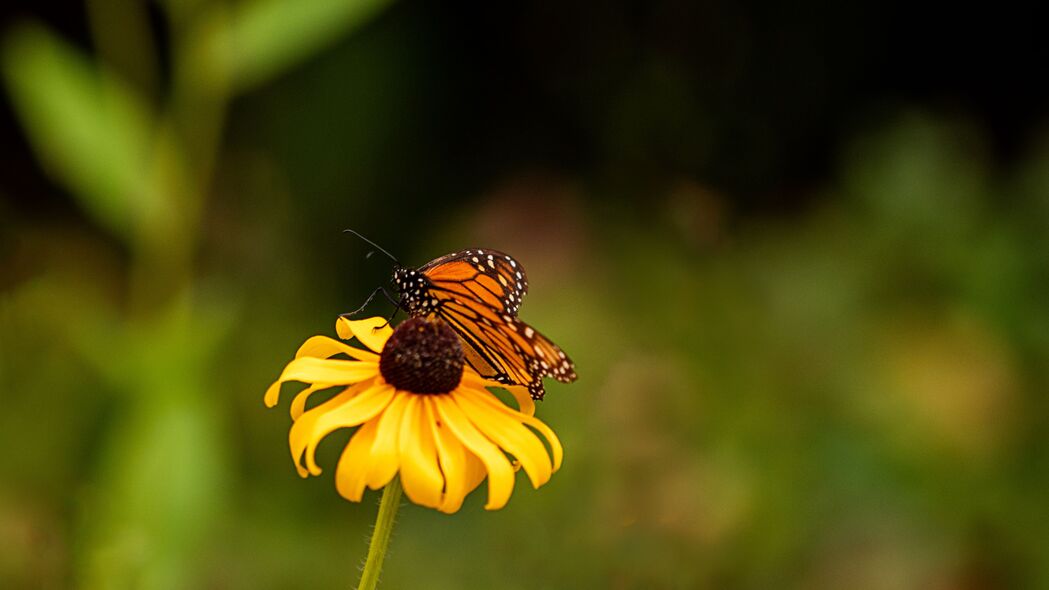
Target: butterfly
[{"x": 478, "y": 292}]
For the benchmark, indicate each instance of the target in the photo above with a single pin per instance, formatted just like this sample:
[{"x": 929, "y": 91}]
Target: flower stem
[{"x": 391, "y": 501}]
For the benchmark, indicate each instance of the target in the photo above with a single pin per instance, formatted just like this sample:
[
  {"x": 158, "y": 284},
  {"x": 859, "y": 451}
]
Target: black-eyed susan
[{"x": 419, "y": 411}]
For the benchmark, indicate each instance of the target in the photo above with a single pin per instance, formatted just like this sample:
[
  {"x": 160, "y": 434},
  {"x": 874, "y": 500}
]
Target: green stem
[{"x": 391, "y": 501}]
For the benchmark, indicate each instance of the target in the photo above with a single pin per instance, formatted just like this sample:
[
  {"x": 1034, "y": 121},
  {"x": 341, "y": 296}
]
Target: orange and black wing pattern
[
  {"x": 505, "y": 348},
  {"x": 489, "y": 277},
  {"x": 478, "y": 293}
]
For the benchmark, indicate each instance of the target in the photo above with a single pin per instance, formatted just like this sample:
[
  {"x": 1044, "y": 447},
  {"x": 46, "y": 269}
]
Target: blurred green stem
[
  {"x": 123, "y": 39},
  {"x": 391, "y": 501},
  {"x": 188, "y": 138}
]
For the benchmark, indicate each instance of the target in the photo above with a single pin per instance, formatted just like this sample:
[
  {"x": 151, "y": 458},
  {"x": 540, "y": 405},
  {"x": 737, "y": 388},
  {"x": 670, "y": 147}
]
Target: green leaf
[
  {"x": 265, "y": 37},
  {"x": 90, "y": 132}
]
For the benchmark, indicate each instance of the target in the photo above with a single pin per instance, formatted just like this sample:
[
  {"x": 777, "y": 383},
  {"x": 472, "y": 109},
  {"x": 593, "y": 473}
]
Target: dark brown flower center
[{"x": 422, "y": 356}]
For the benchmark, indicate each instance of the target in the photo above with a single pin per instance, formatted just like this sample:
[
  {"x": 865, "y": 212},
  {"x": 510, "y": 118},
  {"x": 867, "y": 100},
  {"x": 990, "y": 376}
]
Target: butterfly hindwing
[{"x": 512, "y": 350}]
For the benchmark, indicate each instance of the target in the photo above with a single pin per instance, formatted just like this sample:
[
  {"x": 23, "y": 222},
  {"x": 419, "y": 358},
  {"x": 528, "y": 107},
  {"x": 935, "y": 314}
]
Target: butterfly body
[
  {"x": 478, "y": 292},
  {"x": 414, "y": 287}
]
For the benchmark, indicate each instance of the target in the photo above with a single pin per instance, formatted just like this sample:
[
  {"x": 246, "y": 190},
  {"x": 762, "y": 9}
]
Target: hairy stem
[{"x": 391, "y": 501}]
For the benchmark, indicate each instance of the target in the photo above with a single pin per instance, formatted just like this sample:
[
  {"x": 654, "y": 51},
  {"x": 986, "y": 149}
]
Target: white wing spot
[
  {"x": 475, "y": 259},
  {"x": 491, "y": 262},
  {"x": 529, "y": 331}
]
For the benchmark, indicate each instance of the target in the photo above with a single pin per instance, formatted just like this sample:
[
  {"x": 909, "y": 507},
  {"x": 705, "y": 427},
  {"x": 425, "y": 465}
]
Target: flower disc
[{"x": 423, "y": 356}]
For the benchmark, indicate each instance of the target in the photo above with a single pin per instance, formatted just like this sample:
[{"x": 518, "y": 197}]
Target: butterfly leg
[
  {"x": 390, "y": 319},
  {"x": 396, "y": 306},
  {"x": 366, "y": 302}
]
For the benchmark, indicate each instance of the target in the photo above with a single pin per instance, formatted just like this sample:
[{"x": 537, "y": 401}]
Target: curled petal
[
  {"x": 272, "y": 394},
  {"x": 475, "y": 472},
  {"x": 500, "y": 473},
  {"x": 314, "y": 370},
  {"x": 508, "y": 433},
  {"x": 298, "y": 403},
  {"x": 420, "y": 473},
  {"x": 452, "y": 458},
  {"x": 556, "y": 450},
  {"x": 346, "y": 409},
  {"x": 525, "y": 403},
  {"x": 324, "y": 347},
  {"x": 353, "y": 463},
  {"x": 372, "y": 332},
  {"x": 384, "y": 457}
]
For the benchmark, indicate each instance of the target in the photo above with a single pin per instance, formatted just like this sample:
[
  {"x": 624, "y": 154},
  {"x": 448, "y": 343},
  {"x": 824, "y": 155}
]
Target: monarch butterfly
[{"x": 478, "y": 292}]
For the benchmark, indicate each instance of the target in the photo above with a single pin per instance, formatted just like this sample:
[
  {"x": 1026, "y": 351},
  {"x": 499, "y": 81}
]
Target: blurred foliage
[
  {"x": 846, "y": 394},
  {"x": 87, "y": 127}
]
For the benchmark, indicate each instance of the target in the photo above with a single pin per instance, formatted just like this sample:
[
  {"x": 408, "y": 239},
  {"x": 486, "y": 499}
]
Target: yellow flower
[{"x": 419, "y": 411}]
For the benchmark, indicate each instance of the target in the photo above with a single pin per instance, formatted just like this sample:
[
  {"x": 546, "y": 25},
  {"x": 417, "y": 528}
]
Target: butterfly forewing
[{"x": 491, "y": 276}]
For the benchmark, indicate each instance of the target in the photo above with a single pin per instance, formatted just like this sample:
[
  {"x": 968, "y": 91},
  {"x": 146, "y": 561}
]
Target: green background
[{"x": 800, "y": 255}]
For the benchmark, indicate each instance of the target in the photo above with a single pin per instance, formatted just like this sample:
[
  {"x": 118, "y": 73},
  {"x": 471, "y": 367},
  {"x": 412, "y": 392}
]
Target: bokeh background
[{"x": 799, "y": 251}]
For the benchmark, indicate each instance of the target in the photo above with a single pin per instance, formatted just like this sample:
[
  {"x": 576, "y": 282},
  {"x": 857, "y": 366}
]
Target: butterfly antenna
[{"x": 377, "y": 247}]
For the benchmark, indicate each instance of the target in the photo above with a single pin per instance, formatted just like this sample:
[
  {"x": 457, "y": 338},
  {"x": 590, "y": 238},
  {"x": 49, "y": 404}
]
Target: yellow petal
[
  {"x": 314, "y": 370},
  {"x": 475, "y": 472},
  {"x": 508, "y": 433},
  {"x": 368, "y": 331},
  {"x": 298, "y": 403},
  {"x": 272, "y": 394},
  {"x": 500, "y": 474},
  {"x": 324, "y": 347},
  {"x": 349, "y": 408},
  {"x": 354, "y": 462},
  {"x": 470, "y": 377},
  {"x": 525, "y": 403},
  {"x": 452, "y": 458},
  {"x": 418, "y": 455},
  {"x": 384, "y": 456},
  {"x": 555, "y": 444}
]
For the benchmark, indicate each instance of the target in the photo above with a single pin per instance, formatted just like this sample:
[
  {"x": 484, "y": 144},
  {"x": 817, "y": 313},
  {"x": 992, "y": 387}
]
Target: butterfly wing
[
  {"x": 486, "y": 275},
  {"x": 478, "y": 292},
  {"x": 504, "y": 348}
]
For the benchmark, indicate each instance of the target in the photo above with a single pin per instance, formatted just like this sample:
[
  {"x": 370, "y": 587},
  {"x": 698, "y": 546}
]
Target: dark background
[{"x": 799, "y": 253}]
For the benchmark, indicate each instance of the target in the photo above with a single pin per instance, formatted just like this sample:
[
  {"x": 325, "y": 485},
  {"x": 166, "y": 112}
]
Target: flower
[{"x": 419, "y": 411}]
